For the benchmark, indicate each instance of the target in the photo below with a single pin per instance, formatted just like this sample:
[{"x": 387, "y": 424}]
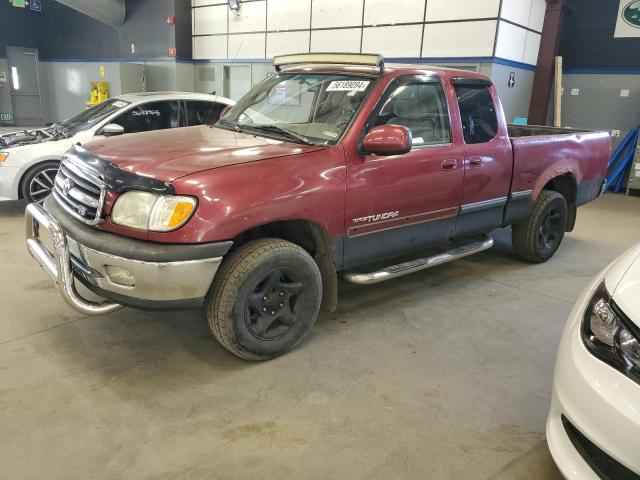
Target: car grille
[{"x": 79, "y": 191}]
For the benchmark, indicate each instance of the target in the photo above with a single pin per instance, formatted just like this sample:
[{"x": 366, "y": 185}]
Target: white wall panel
[
  {"x": 282, "y": 43},
  {"x": 210, "y": 20},
  {"x": 248, "y": 45},
  {"x": 210, "y": 47},
  {"x": 343, "y": 40},
  {"x": 438, "y": 10},
  {"x": 397, "y": 41},
  {"x": 531, "y": 47},
  {"x": 288, "y": 15},
  {"x": 517, "y": 11},
  {"x": 380, "y": 12},
  {"x": 198, "y": 3},
  {"x": 336, "y": 13},
  {"x": 460, "y": 39},
  {"x": 511, "y": 40},
  {"x": 536, "y": 17},
  {"x": 252, "y": 18}
]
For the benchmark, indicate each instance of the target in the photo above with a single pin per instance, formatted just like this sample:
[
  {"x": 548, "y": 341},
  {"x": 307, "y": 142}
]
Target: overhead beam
[{"x": 545, "y": 68}]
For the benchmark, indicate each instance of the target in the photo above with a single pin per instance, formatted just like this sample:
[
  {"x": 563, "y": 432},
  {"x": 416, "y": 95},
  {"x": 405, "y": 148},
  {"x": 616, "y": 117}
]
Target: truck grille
[{"x": 79, "y": 191}]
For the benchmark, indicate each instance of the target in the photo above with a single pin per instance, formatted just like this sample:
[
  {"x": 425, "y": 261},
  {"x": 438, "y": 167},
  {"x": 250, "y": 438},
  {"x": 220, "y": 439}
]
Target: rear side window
[
  {"x": 149, "y": 116},
  {"x": 422, "y": 108},
  {"x": 479, "y": 119},
  {"x": 203, "y": 113}
]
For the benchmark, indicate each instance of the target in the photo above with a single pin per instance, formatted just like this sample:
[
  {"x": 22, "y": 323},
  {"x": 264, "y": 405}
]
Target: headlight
[
  {"x": 3, "y": 156},
  {"x": 150, "y": 211},
  {"x": 610, "y": 335}
]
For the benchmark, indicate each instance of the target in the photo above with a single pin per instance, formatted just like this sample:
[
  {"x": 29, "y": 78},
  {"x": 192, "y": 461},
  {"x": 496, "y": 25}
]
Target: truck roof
[
  {"x": 372, "y": 64},
  {"x": 390, "y": 69}
]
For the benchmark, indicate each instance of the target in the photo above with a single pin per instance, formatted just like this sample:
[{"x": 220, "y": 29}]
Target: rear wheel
[
  {"x": 38, "y": 182},
  {"x": 537, "y": 239},
  {"x": 264, "y": 299}
]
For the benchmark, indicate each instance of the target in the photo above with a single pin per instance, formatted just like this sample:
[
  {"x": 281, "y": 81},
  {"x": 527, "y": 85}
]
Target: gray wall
[
  {"x": 5, "y": 95},
  {"x": 599, "y": 104},
  {"x": 515, "y": 101}
]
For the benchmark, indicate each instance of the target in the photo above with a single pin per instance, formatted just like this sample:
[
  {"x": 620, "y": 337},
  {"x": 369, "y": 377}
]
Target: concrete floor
[{"x": 445, "y": 374}]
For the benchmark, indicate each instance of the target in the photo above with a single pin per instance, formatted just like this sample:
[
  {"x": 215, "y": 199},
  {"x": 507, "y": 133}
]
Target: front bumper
[
  {"x": 9, "y": 182},
  {"x": 154, "y": 280},
  {"x": 597, "y": 401}
]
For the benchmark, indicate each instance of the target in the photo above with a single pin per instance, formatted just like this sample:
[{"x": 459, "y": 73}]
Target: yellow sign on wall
[{"x": 101, "y": 71}]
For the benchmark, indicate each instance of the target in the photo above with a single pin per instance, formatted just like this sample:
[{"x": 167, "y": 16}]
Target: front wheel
[
  {"x": 537, "y": 239},
  {"x": 38, "y": 182},
  {"x": 264, "y": 299}
]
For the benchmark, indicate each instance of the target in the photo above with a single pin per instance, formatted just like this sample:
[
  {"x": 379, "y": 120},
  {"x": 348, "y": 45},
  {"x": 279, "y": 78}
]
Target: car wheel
[
  {"x": 537, "y": 239},
  {"x": 38, "y": 182},
  {"x": 264, "y": 299}
]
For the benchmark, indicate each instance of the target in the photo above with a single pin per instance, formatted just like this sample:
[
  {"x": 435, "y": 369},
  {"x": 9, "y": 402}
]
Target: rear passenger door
[
  {"x": 488, "y": 157},
  {"x": 202, "y": 112},
  {"x": 401, "y": 203},
  {"x": 150, "y": 116}
]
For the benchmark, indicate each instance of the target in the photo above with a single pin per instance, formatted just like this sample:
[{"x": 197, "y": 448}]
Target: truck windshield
[
  {"x": 312, "y": 108},
  {"x": 88, "y": 118}
]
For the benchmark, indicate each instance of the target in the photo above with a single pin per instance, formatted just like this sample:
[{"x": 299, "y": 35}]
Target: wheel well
[
  {"x": 565, "y": 185},
  {"x": 28, "y": 171},
  {"x": 313, "y": 238}
]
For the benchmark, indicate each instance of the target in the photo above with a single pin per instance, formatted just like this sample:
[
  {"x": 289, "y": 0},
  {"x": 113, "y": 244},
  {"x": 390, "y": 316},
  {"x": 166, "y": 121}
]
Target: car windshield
[
  {"x": 313, "y": 108},
  {"x": 88, "y": 118}
]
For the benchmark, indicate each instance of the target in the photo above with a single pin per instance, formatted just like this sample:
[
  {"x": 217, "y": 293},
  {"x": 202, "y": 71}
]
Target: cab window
[
  {"x": 149, "y": 116},
  {"x": 203, "y": 113},
  {"x": 422, "y": 108},
  {"x": 478, "y": 113}
]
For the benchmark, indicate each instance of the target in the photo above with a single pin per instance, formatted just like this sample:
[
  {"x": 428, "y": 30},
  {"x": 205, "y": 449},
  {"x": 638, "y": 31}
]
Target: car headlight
[
  {"x": 610, "y": 336},
  {"x": 151, "y": 211},
  {"x": 3, "y": 157}
]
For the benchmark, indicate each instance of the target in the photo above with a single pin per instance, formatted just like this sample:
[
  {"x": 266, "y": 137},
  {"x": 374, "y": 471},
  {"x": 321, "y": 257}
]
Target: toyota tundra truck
[{"x": 336, "y": 166}]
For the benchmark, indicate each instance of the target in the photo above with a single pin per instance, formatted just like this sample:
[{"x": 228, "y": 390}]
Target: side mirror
[
  {"x": 387, "y": 140},
  {"x": 112, "y": 130}
]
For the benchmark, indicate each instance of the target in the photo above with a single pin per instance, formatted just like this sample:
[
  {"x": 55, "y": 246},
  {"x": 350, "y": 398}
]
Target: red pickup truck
[{"x": 334, "y": 163}]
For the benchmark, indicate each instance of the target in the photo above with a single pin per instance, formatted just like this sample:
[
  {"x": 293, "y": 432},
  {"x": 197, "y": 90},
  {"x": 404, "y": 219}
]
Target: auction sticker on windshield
[
  {"x": 348, "y": 86},
  {"x": 120, "y": 104}
]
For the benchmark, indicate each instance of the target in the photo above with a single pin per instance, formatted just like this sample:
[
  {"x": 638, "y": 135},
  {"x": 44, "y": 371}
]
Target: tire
[
  {"x": 537, "y": 239},
  {"x": 37, "y": 183},
  {"x": 239, "y": 316}
]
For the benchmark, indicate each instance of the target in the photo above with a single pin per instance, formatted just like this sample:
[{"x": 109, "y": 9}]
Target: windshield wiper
[
  {"x": 228, "y": 123},
  {"x": 283, "y": 131}
]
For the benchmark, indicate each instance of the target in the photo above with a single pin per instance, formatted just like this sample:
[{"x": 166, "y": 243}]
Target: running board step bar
[{"x": 405, "y": 268}]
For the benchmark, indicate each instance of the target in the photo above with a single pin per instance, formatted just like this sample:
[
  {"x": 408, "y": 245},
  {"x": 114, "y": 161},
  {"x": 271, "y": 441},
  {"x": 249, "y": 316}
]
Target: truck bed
[
  {"x": 543, "y": 153},
  {"x": 536, "y": 130}
]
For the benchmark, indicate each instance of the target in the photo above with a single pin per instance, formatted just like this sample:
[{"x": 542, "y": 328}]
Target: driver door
[{"x": 398, "y": 204}]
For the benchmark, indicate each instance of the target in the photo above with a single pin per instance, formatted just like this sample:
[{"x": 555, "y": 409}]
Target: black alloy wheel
[{"x": 271, "y": 307}]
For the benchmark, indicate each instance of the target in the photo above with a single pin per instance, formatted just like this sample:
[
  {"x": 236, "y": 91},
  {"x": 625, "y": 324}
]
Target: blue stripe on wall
[
  {"x": 497, "y": 60},
  {"x": 601, "y": 71}
]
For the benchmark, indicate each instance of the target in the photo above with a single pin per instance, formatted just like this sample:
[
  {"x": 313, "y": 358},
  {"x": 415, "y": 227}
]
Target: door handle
[
  {"x": 450, "y": 164},
  {"x": 476, "y": 162}
]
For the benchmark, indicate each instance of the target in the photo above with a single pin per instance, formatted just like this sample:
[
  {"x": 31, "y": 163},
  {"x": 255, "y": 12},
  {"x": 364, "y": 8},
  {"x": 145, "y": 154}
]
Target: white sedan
[
  {"x": 29, "y": 159},
  {"x": 593, "y": 429}
]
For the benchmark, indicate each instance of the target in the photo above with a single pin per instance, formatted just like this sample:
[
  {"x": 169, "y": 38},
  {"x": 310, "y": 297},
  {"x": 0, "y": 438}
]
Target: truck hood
[{"x": 167, "y": 155}]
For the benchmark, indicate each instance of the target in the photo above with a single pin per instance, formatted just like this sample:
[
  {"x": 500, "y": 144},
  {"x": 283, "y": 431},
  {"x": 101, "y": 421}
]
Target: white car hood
[{"x": 623, "y": 282}]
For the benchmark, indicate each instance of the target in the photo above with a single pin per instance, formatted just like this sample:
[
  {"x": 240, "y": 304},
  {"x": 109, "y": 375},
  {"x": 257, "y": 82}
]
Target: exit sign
[
  {"x": 19, "y": 3},
  {"x": 6, "y": 117}
]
